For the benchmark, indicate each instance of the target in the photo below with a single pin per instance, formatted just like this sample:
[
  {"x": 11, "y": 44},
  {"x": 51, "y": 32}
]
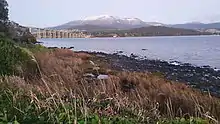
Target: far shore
[{"x": 152, "y": 36}]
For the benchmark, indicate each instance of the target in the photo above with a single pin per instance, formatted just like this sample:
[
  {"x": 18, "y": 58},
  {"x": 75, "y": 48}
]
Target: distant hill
[
  {"x": 197, "y": 25},
  {"x": 91, "y": 28},
  {"x": 161, "y": 30},
  {"x": 150, "y": 31}
]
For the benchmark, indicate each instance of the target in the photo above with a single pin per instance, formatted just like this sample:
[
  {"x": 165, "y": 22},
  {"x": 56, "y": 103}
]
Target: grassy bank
[{"x": 57, "y": 89}]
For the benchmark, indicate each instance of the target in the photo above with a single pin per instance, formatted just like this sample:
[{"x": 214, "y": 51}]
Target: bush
[
  {"x": 26, "y": 38},
  {"x": 2, "y": 35},
  {"x": 11, "y": 57},
  {"x": 37, "y": 48}
]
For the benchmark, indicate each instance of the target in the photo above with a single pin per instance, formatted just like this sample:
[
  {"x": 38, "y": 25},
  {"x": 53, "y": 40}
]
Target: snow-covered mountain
[
  {"x": 112, "y": 22},
  {"x": 155, "y": 24},
  {"x": 101, "y": 17},
  {"x": 107, "y": 22}
]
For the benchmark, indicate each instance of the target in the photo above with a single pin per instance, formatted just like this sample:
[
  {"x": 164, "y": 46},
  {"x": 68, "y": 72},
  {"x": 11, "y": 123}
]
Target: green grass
[
  {"x": 37, "y": 48},
  {"x": 28, "y": 106},
  {"x": 17, "y": 105}
]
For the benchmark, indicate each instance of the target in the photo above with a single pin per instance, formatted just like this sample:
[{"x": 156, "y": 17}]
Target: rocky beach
[{"x": 204, "y": 78}]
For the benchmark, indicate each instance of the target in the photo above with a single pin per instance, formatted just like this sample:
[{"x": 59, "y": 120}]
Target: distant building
[{"x": 47, "y": 33}]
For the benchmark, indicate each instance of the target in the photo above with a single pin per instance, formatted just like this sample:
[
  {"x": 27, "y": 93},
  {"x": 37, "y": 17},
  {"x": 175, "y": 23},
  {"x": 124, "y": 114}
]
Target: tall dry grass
[{"x": 143, "y": 94}]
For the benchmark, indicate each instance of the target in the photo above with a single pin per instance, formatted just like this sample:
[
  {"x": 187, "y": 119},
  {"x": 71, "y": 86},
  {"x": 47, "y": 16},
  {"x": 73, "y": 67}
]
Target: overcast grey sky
[{"x": 44, "y": 13}]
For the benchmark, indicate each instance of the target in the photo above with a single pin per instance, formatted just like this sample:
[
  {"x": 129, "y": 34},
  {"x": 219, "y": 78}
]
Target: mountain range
[{"x": 106, "y": 22}]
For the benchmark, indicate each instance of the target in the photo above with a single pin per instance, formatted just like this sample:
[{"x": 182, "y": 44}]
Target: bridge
[{"x": 49, "y": 33}]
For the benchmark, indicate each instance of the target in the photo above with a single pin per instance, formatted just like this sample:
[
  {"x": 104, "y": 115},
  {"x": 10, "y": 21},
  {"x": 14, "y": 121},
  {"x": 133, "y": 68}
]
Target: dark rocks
[
  {"x": 52, "y": 47},
  {"x": 120, "y": 52},
  {"x": 71, "y": 48},
  {"x": 63, "y": 48},
  {"x": 134, "y": 56},
  {"x": 127, "y": 85},
  {"x": 38, "y": 42},
  {"x": 144, "y": 49},
  {"x": 204, "y": 78},
  {"x": 67, "y": 47}
]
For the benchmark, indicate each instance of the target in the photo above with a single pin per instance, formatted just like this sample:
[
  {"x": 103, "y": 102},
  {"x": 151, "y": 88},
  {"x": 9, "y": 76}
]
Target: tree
[
  {"x": 11, "y": 29},
  {"x": 3, "y": 11},
  {"x": 3, "y": 16}
]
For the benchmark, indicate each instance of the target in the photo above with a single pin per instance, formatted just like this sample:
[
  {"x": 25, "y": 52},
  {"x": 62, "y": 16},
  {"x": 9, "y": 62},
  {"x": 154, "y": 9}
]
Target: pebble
[{"x": 102, "y": 77}]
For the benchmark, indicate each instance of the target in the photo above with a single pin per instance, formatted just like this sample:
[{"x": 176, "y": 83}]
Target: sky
[{"x": 46, "y": 13}]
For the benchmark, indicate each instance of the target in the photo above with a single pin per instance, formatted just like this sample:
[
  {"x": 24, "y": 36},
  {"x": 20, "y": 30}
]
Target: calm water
[{"x": 197, "y": 50}]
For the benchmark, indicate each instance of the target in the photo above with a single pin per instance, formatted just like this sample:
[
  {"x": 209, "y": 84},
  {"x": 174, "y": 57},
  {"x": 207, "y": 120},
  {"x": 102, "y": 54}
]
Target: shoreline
[
  {"x": 153, "y": 36},
  {"x": 159, "y": 36},
  {"x": 204, "y": 78}
]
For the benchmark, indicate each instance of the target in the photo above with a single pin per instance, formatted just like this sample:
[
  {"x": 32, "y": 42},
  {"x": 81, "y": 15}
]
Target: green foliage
[
  {"x": 16, "y": 107},
  {"x": 37, "y": 48},
  {"x": 11, "y": 57},
  {"x": 3, "y": 10},
  {"x": 3, "y": 16},
  {"x": 2, "y": 35},
  {"x": 95, "y": 119},
  {"x": 26, "y": 38},
  {"x": 13, "y": 30}
]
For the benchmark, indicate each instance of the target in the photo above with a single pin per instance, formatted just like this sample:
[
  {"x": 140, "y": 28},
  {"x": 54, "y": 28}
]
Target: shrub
[
  {"x": 36, "y": 48},
  {"x": 11, "y": 57},
  {"x": 2, "y": 35},
  {"x": 26, "y": 38}
]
